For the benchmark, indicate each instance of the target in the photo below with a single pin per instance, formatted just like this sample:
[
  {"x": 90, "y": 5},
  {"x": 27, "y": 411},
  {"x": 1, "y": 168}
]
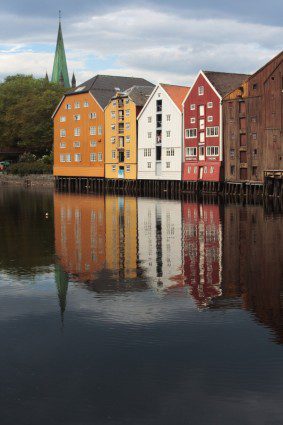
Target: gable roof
[
  {"x": 139, "y": 94},
  {"x": 177, "y": 93},
  {"x": 104, "y": 87},
  {"x": 225, "y": 82}
]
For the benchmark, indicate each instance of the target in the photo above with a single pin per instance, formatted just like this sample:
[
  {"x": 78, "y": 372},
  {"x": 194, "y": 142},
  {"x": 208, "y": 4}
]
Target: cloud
[{"x": 153, "y": 43}]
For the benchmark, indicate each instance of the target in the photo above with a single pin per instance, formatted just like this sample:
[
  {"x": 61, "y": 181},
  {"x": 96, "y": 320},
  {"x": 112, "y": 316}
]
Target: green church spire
[{"x": 60, "y": 70}]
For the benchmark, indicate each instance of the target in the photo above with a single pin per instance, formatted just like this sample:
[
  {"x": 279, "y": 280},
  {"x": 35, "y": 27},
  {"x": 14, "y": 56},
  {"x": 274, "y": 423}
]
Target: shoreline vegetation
[{"x": 35, "y": 180}]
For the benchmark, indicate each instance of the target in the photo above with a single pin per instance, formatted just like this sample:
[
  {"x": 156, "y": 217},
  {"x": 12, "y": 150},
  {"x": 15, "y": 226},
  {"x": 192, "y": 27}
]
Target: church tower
[{"x": 60, "y": 70}]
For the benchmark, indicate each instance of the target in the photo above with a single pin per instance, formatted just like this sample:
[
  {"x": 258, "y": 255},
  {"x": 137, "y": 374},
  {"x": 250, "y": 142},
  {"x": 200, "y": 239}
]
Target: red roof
[{"x": 177, "y": 93}]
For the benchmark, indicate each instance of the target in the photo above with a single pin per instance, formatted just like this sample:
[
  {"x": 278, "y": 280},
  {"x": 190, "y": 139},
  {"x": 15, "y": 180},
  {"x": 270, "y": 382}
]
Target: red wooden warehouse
[{"x": 203, "y": 135}]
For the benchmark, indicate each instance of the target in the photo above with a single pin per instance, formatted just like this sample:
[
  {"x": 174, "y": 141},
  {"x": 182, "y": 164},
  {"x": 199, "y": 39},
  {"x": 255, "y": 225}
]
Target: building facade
[
  {"x": 79, "y": 130},
  {"x": 203, "y": 134},
  {"x": 121, "y": 132},
  {"x": 253, "y": 117},
  {"x": 160, "y": 134}
]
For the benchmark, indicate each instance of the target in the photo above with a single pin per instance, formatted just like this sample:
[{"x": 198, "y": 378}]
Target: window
[
  {"x": 210, "y": 105},
  {"x": 77, "y": 131},
  {"x": 77, "y": 117},
  {"x": 191, "y": 133},
  {"x": 113, "y": 126},
  {"x": 254, "y": 119},
  {"x": 147, "y": 152},
  {"x": 62, "y": 133},
  {"x": 149, "y": 135},
  {"x": 113, "y": 139},
  {"x": 113, "y": 167},
  {"x": 167, "y": 164},
  {"x": 149, "y": 165},
  {"x": 201, "y": 110},
  {"x": 127, "y": 101},
  {"x": 77, "y": 105},
  {"x": 78, "y": 157},
  {"x": 243, "y": 157},
  {"x": 100, "y": 130},
  {"x": 77, "y": 144},
  {"x": 212, "y": 150},
  {"x": 128, "y": 139},
  {"x": 232, "y": 153},
  {"x": 201, "y": 90},
  {"x": 210, "y": 118},
  {"x": 128, "y": 168},
  {"x": 68, "y": 157},
  {"x": 168, "y": 133},
  {"x": 212, "y": 131},
  {"x": 192, "y": 107},
  {"x": 168, "y": 117},
  {"x": 254, "y": 171},
  {"x": 191, "y": 151},
  {"x": 254, "y": 86},
  {"x": 127, "y": 112},
  {"x": 92, "y": 115},
  {"x": 68, "y": 106},
  {"x": 92, "y": 130},
  {"x": 113, "y": 154},
  {"x": 149, "y": 119},
  {"x": 192, "y": 120},
  {"x": 201, "y": 137},
  {"x": 201, "y": 124},
  {"x": 205, "y": 170},
  {"x": 128, "y": 154},
  {"x": 62, "y": 158},
  {"x": 86, "y": 104},
  {"x": 93, "y": 143},
  {"x": 232, "y": 170},
  {"x": 99, "y": 156},
  {"x": 62, "y": 119},
  {"x": 62, "y": 144},
  {"x": 254, "y": 153},
  {"x": 113, "y": 115},
  {"x": 170, "y": 151},
  {"x": 254, "y": 136},
  {"x": 211, "y": 170},
  {"x": 189, "y": 169},
  {"x": 127, "y": 126},
  {"x": 92, "y": 157}
]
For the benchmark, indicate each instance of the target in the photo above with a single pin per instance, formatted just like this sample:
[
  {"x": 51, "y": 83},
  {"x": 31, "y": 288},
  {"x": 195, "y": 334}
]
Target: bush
[
  {"x": 26, "y": 168},
  {"x": 27, "y": 157}
]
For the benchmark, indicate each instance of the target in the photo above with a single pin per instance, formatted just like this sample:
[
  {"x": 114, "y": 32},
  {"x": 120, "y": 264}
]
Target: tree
[{"x": 26, "y": 107}]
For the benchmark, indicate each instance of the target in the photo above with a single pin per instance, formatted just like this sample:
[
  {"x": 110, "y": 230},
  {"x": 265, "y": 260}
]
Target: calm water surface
[{"x": 123, "y": 310}]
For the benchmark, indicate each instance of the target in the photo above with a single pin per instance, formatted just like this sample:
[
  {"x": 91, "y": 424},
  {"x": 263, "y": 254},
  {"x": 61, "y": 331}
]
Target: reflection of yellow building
[
  {"x": 121, "y": 132},
  {"x": 80, "y": 234},
  {"x": 121, "y": 235}
]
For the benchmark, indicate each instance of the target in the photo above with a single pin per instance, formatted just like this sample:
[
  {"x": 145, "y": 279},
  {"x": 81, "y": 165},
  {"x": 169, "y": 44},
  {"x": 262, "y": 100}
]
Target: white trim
[
  {"x": 57, "y": 108},
  {"x": 221, "y": 132},
  {"x": 205, "y": 77}
]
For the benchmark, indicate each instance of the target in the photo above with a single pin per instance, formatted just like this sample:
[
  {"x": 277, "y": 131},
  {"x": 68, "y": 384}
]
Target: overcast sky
[{"x": 161, "y": 40}]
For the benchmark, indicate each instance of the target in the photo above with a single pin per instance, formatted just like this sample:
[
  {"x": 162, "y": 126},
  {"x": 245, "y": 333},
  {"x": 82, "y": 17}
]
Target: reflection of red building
[{"x": 202, "y": 265}]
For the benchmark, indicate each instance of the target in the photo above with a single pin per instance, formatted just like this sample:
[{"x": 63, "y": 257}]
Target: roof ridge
[{"x": 228, "y": 73}]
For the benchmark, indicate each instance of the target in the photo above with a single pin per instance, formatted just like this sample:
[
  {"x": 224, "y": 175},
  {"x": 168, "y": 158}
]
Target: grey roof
[
  {"x": 225, "y": 82},
  {"x": 139, "y": 94},
  {"x": 104, "y": 87}
]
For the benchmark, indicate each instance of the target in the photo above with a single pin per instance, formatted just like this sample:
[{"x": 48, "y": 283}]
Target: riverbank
[{"x": 35, "y": 180}]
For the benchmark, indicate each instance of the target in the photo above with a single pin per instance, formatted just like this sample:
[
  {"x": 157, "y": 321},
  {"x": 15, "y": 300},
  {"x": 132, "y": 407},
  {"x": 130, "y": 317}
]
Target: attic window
[
  {"x": 80, "y": 88},
  {"x": 254, "y": 86}
]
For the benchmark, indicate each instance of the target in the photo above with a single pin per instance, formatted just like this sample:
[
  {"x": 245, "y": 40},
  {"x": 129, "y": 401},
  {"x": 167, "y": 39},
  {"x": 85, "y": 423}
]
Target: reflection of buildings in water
[
  {"x": 121, "y": 236},
  {"x": 202, "y": 233},
  {"x": 80, "y": 234},
  {"x": 253, "y": 267},
  {"x": 160, "y": 242}
]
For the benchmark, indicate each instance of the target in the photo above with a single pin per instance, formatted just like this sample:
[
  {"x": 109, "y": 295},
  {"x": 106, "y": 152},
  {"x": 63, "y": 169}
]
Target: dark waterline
[{"x": 123, "y": 310}]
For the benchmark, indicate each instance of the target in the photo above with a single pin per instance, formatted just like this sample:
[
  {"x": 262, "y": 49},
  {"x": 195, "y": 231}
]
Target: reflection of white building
[{"x": 160, "y": 241}]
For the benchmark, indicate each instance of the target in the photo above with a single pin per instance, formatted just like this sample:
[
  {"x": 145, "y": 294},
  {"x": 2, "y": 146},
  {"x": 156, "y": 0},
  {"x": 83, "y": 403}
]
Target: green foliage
[
  {"x": 27, "y": 157},
  {"x": 26, "y": 107},
  {"x": 26, "y": 168}
]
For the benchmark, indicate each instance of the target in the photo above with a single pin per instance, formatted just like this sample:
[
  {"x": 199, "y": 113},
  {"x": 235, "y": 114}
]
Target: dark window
[
  {"x": 243, "y": 156},
  {"x": 254, "y": 86},
  {"x": 255, "y": 152},
  {"x": 243, "y": 173},
  {"x": 121, "y": 156},
  {"x": 232, "y": 170},
  {"x": 159, "y": 105},
  {"x": 254, "y": 171},
  {"x": 158, "y": 153}
]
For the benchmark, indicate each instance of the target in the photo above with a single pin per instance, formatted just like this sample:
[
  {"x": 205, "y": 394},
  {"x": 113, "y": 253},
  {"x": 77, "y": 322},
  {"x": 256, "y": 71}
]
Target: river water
[{"x": 124, "y": 310}]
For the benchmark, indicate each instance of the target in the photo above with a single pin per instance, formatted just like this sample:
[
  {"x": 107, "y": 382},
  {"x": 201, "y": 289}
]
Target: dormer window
[{"x": 201, "y": 90}]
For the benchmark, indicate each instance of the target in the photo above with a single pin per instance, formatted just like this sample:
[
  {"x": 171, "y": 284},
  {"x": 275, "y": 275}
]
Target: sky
[{"x": 161, "y": 40}]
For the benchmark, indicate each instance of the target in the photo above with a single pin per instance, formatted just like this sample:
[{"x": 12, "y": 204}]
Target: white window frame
[
  {"x": 192, "y": 106},
  {"x": 62, "y": 145},
  {"x": 62, "y": 158},
  {"x": 99, "y": 130},
  {"x": 191, "y": 151},
  {"x": 113, "y": 154},
  {"x": 128, "y": 168},
  {"x": 202, "y": 124},
  {"x": 93, "y": 144},
  {"x": 77, "y": 144},
  {"x": 127, "y": 112},
  {"x": 212, "y": 151},
  {"x": 63, "y": 118},
  {"x": 77, "y": 131},
  {"x": 201, "y": 110},
  {"x": 77, "y": 105},
  {"x": 128, "y": 139},
  {"x": 113, "y": 167},
  {"x": 63, "y": 132},
  {"x": 92, "y": 115},
  {"x": 100, "y": 157},
  {"x": 210, "y": 118},
  {"x": 191, "y": 133},
  {"x": 127, "y": 154},
  {"x": 113, "y": 114},
  {"x": 214, "y": 130},
  {"x": 77, "y": 157},
  {"x": 209, "y": 105},
  {"x": 113, "y": 139},
  {"x": 127, "y": 126},
  {"x": 92, "y": 157},
  {"x": 86, "y": 104},
  {"x": 192, "y": 120},
  {"x": 68, "y": 106},
  {"x": 200, "y": 90}
]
